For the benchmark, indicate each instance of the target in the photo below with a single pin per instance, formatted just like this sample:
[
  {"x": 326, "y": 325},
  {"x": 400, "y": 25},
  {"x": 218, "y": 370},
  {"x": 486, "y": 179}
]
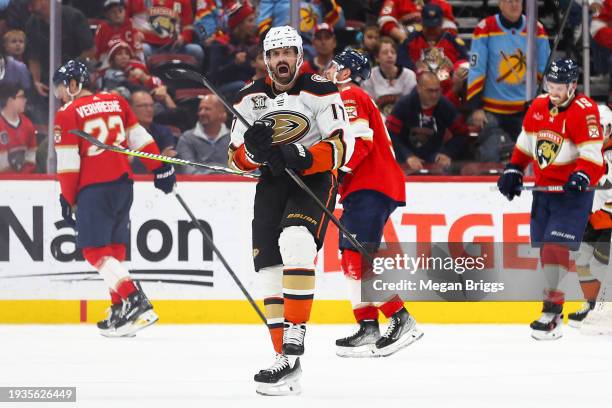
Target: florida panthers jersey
[
  {"x": 372, "y": 165},
  {"x": 561, "y": 141},
  {"x": 311, "y": 114},
  {"x": 108, "y": 118}
]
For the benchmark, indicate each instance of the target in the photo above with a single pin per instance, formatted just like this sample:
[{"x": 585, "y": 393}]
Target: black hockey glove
[
  {"x": 67, "y": 214},
  {"x": 257, "y": 141},
  {"x": 164, "y": 178},
  {"x": 577, "y": 182},
  {"x": 510, "y": 182},
  {"x": 291, "y": 156}
]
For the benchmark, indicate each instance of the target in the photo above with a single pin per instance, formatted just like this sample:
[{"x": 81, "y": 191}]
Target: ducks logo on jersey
[{"x": 289, "y": 126}]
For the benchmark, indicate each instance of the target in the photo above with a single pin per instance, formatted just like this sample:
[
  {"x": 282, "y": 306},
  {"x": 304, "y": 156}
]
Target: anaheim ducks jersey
[
  {"x": 603, "y": 198},
  {"x": 311, "y": 114},
  {"x": 560, "y": 141}
]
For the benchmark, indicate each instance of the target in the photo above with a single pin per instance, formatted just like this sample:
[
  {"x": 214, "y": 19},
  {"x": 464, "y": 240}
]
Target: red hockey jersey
[
  {"x": 561, "y": 141},
  {"x": 17, "y": 140},
  {"x": 394, "y": 12},
  {"x": 372, "y": 165},
  {"x": 110, "y": 119},
  {"x": 108, "y": 34},
  {"x": 161, "y": 21}
]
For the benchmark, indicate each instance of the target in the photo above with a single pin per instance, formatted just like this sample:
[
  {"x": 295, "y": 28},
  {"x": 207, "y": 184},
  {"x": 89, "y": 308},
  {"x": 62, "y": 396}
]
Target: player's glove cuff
[{"x": 511, "y": 181}]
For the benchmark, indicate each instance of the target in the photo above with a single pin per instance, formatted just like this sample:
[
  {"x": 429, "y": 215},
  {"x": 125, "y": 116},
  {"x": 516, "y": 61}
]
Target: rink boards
[{"x": 44, "y": 280}]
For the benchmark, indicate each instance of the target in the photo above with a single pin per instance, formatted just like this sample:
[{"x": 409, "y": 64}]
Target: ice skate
[
  {"x": 402, "y": 332},
  {"x": 575, "y": 319},
  {"x": 549, "y": 325},
  {"x": 362, "y": 343},
  {"x": 598, "y": 321},
  {"x": 107, "y": 326},
  {"x": 137, "y": 314},
  {"x": 293, "y": 338},
  {"x": 282, "y": 378}
]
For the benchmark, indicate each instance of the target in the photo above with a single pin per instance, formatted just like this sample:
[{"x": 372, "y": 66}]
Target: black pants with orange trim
[{"x": 280, "y": 203}]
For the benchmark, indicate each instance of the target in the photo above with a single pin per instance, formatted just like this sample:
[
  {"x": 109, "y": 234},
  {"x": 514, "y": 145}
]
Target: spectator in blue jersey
[
  {"x": 418, "y": 125},
  {"x": 497, "y": 77}
]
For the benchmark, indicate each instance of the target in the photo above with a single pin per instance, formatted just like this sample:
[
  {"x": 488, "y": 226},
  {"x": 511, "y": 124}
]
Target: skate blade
[
  {"x": 546, "y": 336},
  {"x": 287, "y": 386},
  {"x": 366, "y": 351},
  {"x": 407, "y": 339},
  {"x": 144, "y": 320},
  {"x": 576, "y": 324},
  {"x": 113, "y": 334}
]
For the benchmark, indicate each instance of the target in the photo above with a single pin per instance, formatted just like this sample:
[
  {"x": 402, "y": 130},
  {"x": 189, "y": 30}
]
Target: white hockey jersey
[{"x": 311, "y": 113}]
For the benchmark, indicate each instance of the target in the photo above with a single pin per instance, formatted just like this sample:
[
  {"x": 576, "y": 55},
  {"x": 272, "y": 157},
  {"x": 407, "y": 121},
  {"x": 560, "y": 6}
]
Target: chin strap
[{"x": 73, "y": 95}]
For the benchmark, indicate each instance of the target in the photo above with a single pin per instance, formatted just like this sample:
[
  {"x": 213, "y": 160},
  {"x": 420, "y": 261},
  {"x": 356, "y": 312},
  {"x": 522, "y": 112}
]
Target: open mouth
[{"x": 283, "y": 70}]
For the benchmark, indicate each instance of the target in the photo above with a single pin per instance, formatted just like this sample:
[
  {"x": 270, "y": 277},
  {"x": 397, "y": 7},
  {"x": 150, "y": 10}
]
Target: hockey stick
[
  {"x": 551, "y": 189},
  {"x": 210, "y": 242},
  {"x": 180, "y": 73},
  {"x": 157, "y": 157}
]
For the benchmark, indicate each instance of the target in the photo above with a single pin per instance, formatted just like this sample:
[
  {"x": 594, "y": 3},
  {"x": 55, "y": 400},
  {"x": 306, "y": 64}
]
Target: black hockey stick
[
  {"x": 157, "y": 157},
  {"x": 220, "y": 256},
  {"x": 180, "y": 73},
  {"x": 551, "y": 189}
]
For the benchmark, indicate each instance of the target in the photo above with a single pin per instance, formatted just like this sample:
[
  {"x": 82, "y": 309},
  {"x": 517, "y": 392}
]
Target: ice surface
[{"x": 203, "y": 366}]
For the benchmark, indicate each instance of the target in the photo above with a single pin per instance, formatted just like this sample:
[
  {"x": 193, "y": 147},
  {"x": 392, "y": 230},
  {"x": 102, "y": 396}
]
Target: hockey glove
[
  {"x": 257, "y": 141},
  {"x": 510, "y": 182},
  {"x": 67, "y": 214},
  {"x": 291, "y": 156},
  {"x": 577, "y": 182},
  {"x": 164, "y": 178}
]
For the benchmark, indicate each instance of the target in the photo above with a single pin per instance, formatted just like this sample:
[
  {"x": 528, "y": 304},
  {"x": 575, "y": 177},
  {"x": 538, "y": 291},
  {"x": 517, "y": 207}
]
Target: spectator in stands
[
  {"x": 117, "y": 27},
  {"x": 396, "y": 14},
  {"x": 457, "y": 93},
  {"x": 125, "y": 71},
  {"x": 17, "y": 134},
  {"x": 418, "y": 124},
  {"x": 389, "y": 81},
  {"x": 324, "y": 43},
  {"x": 207, "y": 142},
  {"x": 207, "y": 22},
  {"x": 601, "y": 31},
  {"x": 17, "y": 14},
  {"x": 275, "y": 13},
  {"x": 14, "y": 71},
  {"x": 231, "y": 67},
  {"x": 369, "y": 42},
  {"x": 167, "y": 26},
  {"x": 432, "y": 48},
  {"x": 14, "y": 44},
  {"x": 496, "y": 80},
  {"x": 257, "y": 63},
  {"x": 77, "y": 41},
  {"x": 143, "y": 106}
]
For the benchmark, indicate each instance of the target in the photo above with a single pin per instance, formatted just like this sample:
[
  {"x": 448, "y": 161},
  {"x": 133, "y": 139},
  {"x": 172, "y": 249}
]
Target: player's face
[
  {"x": 61, "y": 93},
  {"x": 116, "y": 14},
  {"x": 283, "y": 64},
  {"x": 331, "y": 70},
  {"x": 559, "y": 93}
]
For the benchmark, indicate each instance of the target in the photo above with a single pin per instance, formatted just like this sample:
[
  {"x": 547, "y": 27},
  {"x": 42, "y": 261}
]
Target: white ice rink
[{"x": 212, "y": 366}]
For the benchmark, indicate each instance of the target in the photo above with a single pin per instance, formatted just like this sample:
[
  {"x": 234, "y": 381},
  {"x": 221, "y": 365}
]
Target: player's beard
[{"x": 284, "y": 73}]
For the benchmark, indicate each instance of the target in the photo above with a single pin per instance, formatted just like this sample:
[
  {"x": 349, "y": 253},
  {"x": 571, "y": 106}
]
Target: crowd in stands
[{"x": 448, "y": 99}]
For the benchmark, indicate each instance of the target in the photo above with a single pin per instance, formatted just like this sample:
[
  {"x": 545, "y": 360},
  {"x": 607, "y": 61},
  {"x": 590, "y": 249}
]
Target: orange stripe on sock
[
  {"x": 276, "y": 334},
  {"x": 297, "y": 310}
]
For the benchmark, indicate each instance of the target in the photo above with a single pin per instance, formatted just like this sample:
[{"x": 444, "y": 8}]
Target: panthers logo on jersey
[
  {"x": 548, "y": 146},
  {"x": 289, "y": 126}
]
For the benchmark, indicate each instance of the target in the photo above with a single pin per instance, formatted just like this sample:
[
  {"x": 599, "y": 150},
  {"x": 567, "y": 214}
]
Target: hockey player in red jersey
[
  {"x": 561, "y": 136},
  {"x": 371, "y": 189},
  {"x": 99, "y": 183}
]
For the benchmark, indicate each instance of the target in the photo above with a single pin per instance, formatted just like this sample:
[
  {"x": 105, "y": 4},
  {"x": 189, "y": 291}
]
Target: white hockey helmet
[
  {"x": 283, "y": 37},
  {"x": 605, "y": 118}
]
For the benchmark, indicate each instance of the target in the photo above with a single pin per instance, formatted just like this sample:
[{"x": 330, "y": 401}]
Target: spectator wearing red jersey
[
  {"x": 601, "y": 26},
  {"x": 125, "y": 71},
  {"x": 17, "y": 134},
  {"x": 167, "y": 26},
  {"x": 396, "y": 14},
  {"x": 117, "y": 27}
]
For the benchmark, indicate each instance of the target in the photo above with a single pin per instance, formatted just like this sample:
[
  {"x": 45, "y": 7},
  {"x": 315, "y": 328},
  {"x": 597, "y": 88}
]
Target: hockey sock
[
  {"x": 115, "y": 298},
  {"x": 555, "y": 262},
  {"x": 298, "y": 293},
  {"x": 391, "y": 306},
  {"x": 367, "y": 312},
  {"x": 275, "y": 312},
  {"x": 115, "y": 275},
  {"x": 588, "y": 283},
  {"x": 554, "y": 296}
]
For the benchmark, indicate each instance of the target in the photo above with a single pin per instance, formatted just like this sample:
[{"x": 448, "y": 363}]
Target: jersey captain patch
[
  {"x": 548, "y": 146},
  {"x": 289, "y": 126}
]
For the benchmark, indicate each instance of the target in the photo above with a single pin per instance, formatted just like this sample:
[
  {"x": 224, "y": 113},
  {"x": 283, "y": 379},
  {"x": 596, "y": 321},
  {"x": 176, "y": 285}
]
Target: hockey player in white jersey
[
  {"x": 299, "y": 123},
  {"x": 592, "y": 264}
]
